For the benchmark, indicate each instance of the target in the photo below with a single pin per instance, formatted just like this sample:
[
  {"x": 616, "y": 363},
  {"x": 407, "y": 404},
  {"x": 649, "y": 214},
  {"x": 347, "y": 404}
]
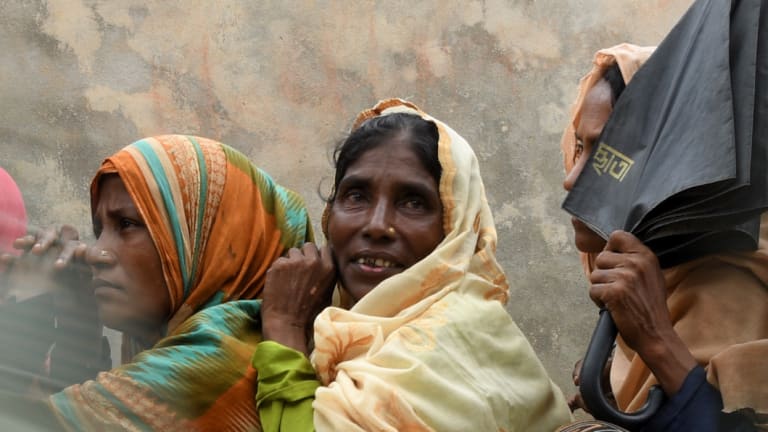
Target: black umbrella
[{"x": 681, "y": 161}]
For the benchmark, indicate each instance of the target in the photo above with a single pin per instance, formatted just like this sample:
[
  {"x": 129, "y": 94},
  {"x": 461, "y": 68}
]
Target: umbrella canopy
[{"x": 681, "y": 161}]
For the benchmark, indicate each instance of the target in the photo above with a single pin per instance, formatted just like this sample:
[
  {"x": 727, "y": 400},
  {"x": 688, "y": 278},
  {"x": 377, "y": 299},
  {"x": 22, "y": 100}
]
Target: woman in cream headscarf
[
  {"x": 427, "y": 343},
  {"x": 699, "y": 329}
]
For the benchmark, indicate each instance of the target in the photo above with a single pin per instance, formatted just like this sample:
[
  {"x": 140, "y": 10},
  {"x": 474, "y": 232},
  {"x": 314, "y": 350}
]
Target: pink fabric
[{"x": 13, "y": 215}]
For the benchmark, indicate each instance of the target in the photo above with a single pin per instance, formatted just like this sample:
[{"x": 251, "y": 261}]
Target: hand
[
  {"x": 54, "y": 262},
  {"x": 298, "y": 287},
  {"x": 576, "y": 401},
  {"x": 64, "y": 241},
  {"x": 628, "y": 281},
  {"x": 53, "y": 259}
]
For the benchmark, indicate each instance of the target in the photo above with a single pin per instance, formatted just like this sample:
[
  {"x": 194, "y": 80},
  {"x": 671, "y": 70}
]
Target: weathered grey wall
[{"x": 281, "y": 81}]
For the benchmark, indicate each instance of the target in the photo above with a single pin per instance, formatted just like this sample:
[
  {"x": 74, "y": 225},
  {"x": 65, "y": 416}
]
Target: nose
[
  {"x": 573, "y": 174},
  {"x": 379, "y": 224},
  {"x": 99, "y": 256}
]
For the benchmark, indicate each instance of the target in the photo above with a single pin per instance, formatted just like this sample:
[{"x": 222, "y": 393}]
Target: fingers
[
  {"x": 68, "y": 233},
  {"x": 310, "y": 250},
  {"x": 326, "y": 257},
  {"x": 576, "y": 374},
  {"x": 624, "y": 242},
  {"x": 45, "y": 240},
  {"x": 40, "y": 242},
  {"x": 25, "y": 243},
  {"x": 72, "y": 251},
  {"x": 576, "y": 402}
]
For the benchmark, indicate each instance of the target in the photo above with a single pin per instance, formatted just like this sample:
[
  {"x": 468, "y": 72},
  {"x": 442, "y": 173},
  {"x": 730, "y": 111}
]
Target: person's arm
[
  {"x": 628, "y": 281},
  {"x": 286, "y": 388},
  {"x": 297, "y": 288},
  {"x": 697, "y": 406}
]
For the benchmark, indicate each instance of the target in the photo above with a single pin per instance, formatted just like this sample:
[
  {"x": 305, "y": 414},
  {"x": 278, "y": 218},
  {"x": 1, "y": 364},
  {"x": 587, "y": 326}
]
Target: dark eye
[
  {"x": 352, "y": 196},
  {"x": 579, "y": 149},
  {"x": 414, "y": 203},
  {"x": 128, "y": 223}
]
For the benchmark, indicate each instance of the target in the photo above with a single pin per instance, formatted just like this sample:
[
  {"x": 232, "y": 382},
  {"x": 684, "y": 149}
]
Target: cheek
[
  {"x": 340, "y": 227},
  {"x": 426, "y": 237},
  {"x": 151, "y": 283}
]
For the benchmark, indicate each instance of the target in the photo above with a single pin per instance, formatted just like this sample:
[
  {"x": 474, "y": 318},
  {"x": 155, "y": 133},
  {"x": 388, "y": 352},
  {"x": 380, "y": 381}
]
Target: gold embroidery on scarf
[
  {"x": 140, "y": 401},
  {"x": 216, "y": 164},
  {"x": 608, "y": 160}
]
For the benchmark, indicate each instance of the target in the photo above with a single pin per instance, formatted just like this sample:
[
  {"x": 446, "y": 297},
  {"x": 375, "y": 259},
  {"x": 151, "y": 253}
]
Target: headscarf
[
  {"x": 13, "y": 215},
  {"x": 218, "y": 223},
  {"x": 718, "y": 304},
  {"x": 433, "y": 347}
]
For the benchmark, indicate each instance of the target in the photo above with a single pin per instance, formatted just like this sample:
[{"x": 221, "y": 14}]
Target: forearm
[{"x": 667, "y": 356}]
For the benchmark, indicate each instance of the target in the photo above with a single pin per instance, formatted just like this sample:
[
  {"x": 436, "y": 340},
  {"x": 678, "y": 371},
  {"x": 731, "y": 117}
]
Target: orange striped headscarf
[{"x": 218, "y": 222}]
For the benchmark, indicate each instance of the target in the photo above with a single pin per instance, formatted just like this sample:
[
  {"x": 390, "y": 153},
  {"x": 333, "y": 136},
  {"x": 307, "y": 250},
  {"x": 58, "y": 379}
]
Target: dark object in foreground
[{"x": 591, "y": 379}]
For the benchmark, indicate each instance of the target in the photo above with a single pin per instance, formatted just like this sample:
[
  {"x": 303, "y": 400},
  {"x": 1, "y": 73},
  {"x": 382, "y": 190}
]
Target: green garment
[{"x": 287, "y": 384}]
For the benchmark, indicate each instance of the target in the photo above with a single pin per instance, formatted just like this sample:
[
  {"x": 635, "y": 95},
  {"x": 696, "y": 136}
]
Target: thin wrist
[
  {"x": 670, "y": 361},
  {"x": 292, "y": 336}
]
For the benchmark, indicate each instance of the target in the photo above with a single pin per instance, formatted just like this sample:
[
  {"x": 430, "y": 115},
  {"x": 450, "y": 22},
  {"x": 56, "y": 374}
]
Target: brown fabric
[{"x": 718, "y": 304}]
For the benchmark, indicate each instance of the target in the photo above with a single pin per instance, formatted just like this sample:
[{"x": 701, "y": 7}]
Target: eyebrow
[{"x": 411, "y": 186}]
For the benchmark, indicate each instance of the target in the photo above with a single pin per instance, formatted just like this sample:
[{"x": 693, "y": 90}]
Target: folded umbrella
[{"x": 683, "y": 152}]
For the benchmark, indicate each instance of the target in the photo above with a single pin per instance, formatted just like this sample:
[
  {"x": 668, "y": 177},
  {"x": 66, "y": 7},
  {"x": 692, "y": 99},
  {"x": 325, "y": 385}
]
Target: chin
[{"x": 591, "y": 243}]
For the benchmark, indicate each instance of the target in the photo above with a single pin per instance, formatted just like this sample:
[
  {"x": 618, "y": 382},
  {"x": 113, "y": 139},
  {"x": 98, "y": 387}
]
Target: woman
[
  {"x": 426, "y": 343},
  {"x": 700, "y": 329},
  {"x": 185, "y": 230}
]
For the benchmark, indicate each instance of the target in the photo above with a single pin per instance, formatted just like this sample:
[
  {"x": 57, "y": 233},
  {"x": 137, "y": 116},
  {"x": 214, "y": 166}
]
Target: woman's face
[
  {"x": 594, "y": 114},
  {"x": 127, "y": 274},
  {"x": 387, "y": 216}
]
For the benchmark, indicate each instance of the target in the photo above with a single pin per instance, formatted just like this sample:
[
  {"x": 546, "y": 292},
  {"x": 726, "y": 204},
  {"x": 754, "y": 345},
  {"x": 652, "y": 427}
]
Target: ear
[{"x": 326, "y": 218}]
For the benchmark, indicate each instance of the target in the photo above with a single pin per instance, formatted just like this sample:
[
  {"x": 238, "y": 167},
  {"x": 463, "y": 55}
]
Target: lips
[
  {"x": 376, "y": 262},
  {"x": 373, "y": 267},
  {"x": 100, "y": 284}
]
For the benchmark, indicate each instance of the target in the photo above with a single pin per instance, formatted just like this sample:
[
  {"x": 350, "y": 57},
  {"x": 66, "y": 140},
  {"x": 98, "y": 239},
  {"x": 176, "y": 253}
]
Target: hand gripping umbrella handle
[{"x": 591, "y": 380}]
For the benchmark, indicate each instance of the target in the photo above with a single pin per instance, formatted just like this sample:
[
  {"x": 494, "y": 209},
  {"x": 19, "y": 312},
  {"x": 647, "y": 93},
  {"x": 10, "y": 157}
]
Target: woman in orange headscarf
[
  {"x": 700, "y": 329},
  {"x": 186, "y": 229}
]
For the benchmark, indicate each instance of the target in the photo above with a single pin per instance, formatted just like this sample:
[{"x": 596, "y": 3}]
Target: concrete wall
[{"x": 282, "y": 80}]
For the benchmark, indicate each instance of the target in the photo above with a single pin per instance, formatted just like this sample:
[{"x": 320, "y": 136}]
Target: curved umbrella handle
[{"x": 591, "y": 380}]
